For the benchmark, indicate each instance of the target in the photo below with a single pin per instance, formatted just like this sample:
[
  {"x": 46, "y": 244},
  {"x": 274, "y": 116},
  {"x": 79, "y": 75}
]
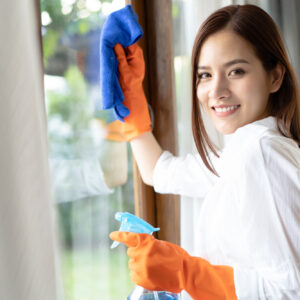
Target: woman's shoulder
[
  {"x": 263, "y": 136},
  {"x": 279, "y": 147},
  {"x": 261, "y": 144},
  {"x": 272, "y": 150}
]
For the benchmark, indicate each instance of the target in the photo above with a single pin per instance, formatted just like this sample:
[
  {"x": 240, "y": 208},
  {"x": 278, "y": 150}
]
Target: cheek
[
  {"x": 256, "y": 96},
  {"x": 202, "y": 96},
  {"x": 255, "y": 88}
]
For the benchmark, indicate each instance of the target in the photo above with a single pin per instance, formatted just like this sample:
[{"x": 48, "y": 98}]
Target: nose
[{"x": 219, "y": 88}]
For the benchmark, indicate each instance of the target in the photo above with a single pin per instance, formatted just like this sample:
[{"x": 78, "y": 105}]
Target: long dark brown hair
[{"x": 258, "y": 28}]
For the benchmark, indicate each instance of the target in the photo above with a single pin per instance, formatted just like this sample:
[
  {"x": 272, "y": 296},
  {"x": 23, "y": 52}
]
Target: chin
[
  {"x": 226, "y": 129},
  {"x": 225, "y": 132}
]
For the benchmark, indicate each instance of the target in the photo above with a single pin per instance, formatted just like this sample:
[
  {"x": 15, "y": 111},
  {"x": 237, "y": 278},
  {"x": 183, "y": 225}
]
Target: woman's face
[{"x": 233, "y": 86}]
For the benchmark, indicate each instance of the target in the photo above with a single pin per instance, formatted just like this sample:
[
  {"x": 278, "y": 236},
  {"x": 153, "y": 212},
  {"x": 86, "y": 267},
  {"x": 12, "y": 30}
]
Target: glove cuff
[{"x": 205, "y": 281}]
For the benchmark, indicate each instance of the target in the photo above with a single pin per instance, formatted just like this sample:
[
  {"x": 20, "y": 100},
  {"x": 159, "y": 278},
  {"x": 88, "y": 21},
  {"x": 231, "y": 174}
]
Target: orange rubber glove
[
  {"x": 160, "y": 265},
  {"x": 131, "y": 75}
]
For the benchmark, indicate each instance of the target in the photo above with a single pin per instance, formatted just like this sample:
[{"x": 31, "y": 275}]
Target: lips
[
  {"x": 225, "y": 110},
  {"x": 224, "y": 106}
]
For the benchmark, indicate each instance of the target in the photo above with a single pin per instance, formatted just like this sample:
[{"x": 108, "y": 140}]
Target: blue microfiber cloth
[{"x": 120, "y": 27}]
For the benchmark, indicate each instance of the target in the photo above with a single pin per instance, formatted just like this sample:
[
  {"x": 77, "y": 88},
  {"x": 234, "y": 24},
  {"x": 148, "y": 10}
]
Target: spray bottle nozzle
[{"x": 132, "y": 223}]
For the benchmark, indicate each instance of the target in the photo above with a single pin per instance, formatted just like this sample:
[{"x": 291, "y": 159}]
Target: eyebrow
[{"x": 228, "y": 64}]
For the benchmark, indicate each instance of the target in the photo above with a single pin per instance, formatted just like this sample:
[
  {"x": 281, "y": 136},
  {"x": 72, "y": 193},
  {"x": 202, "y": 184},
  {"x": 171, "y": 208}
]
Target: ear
[{"x": 277, "y": 75}]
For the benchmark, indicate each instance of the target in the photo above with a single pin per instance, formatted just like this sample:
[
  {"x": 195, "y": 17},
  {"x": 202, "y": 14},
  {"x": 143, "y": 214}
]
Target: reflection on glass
[{"x": 91, "y": 176}]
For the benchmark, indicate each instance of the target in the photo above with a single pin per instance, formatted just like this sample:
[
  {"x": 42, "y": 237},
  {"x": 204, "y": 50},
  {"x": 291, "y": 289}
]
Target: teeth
[{"x": 224, "y": 109}]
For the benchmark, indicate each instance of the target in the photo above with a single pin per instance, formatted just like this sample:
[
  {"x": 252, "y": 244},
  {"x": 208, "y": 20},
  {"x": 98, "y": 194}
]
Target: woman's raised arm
[{"x": 146, "y": 151}]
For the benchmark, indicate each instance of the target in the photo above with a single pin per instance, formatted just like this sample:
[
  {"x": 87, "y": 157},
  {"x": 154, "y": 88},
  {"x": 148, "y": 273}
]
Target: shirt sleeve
[
  {"x": 186, "y": 176},
  {"x": 270, "y": 218}
]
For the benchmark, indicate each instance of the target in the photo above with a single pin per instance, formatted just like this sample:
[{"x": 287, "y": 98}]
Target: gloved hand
[
  {"x": 131, "y": 75},
  {"x": 160, "y": 265}
]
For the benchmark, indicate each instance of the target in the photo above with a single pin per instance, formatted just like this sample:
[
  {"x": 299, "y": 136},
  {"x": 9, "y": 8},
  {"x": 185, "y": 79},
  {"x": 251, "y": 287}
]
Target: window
[{"x": 91, "y": 176}]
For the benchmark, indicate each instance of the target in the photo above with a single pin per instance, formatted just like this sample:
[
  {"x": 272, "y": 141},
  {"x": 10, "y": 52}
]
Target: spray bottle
[{"x": 132, "y": 223}]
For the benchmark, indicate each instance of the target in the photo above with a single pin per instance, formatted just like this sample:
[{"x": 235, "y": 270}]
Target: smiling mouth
[{"x": 224, "y": 111}]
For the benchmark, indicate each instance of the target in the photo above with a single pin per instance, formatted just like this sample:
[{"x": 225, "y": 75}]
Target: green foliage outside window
[{"x": 90, "y": 269}]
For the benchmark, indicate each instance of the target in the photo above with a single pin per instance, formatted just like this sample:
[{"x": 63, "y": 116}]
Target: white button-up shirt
[{"x": 250, "y": 217}]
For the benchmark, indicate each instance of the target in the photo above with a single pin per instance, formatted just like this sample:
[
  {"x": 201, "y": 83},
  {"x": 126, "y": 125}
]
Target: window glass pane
[
  {"x": 187, "y": 17},
  {"x": 91, "y": 176}
]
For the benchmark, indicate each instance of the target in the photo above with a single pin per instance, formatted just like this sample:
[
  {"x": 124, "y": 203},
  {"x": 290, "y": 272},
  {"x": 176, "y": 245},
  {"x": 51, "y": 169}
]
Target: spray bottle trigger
[{"x": 132, "y": 223}]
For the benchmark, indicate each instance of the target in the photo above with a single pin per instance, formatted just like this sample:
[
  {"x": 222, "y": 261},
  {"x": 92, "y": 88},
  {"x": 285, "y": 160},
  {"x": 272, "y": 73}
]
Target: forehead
[{"x": 223, "y": 46}]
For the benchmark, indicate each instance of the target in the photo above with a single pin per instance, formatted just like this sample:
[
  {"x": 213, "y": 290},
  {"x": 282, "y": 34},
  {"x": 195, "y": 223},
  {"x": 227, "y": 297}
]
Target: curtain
[{"x": 27, "y": 254}]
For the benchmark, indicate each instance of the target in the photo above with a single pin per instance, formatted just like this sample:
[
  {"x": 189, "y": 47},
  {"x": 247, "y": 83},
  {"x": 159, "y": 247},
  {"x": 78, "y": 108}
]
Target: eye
[
  {"x": 237, "y": 72},
  {"x": 203, "y": 75}
]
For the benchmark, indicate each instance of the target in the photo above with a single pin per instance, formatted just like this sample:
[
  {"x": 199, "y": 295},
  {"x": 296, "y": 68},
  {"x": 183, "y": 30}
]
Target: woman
[{"x": 248, "y": 243}]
